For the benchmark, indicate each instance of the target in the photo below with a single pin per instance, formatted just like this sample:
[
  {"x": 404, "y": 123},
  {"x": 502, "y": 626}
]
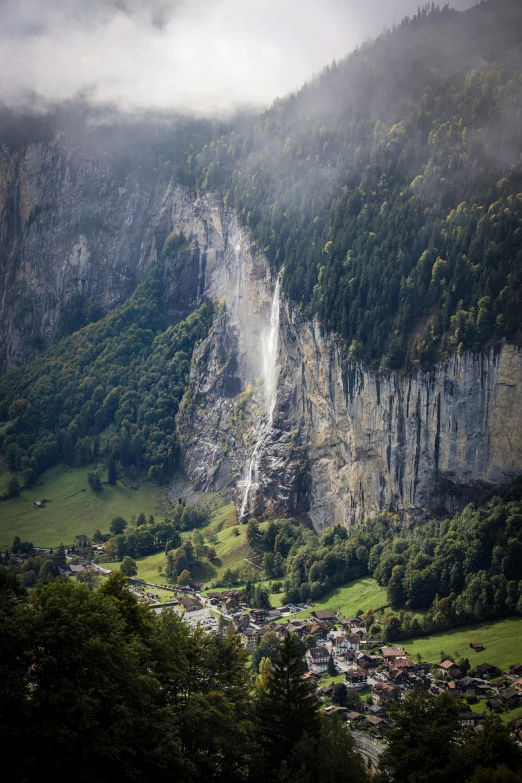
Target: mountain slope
[
  {"x": 126, "y": 369},
  {"x": 400, "y": 165}
]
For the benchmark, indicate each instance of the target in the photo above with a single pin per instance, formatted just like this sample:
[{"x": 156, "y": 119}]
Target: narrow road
[{"x": 369, "y": 747}]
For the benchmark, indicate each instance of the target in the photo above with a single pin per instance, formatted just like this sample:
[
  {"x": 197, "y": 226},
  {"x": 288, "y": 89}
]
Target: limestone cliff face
[
  {"x": 346, "y": 441},
  {"x": 219, "y": 417},
  {"x": 383, "y": 441}
]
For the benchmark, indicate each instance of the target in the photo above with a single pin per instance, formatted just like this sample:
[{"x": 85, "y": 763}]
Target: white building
[{"x": 317, "y": 659}]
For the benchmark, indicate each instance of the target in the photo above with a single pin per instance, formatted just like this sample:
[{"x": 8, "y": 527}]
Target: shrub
[{"x": 95, "y": 482}]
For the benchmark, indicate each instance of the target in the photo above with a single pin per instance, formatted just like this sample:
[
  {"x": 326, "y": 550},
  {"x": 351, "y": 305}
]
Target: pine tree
[
  {"x": 330, "y": 667},
  {"x": 68, "y": 448},
  {"x": 112, "y": 470},
  {"x": 287, "y": 709}
]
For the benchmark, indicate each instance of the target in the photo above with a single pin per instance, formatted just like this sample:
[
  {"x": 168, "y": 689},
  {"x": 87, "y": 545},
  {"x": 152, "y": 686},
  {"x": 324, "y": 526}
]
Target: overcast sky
[{"x": 200, "y": 55}]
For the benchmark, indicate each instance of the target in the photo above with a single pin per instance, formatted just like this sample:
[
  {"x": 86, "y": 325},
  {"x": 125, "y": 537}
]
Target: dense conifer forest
[
  {"x": 464, "y": 569},
  {"x": 401, "y": 164}
]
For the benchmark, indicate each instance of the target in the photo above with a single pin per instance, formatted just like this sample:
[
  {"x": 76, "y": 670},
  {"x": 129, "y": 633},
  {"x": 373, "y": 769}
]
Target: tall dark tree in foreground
[
  {"x": 426, "y": 729},
  {"x": 287, "y": 710},
  {"x": 80, "y": 701}
]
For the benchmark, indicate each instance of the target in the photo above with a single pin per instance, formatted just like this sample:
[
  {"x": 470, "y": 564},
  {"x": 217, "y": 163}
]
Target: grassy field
[
  {"x": 326, "y": 680},
  {"x": 502, "y": 640},
  {"x": 147, "y": 568},
  {"x": 231, "y": 548},
  {"x": 362, "y": 593},
  {"x": 73, "y": 507}
]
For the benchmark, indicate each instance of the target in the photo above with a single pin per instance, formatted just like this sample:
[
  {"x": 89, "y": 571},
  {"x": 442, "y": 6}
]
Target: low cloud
[{"x": 204, "y": 56}]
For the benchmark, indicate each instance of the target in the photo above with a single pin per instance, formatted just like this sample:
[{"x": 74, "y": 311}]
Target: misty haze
[{"x": 200, "y": 56}]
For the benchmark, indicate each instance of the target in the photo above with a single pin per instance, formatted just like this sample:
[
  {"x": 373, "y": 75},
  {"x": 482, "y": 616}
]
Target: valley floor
[{"x": 73, "y": 508}]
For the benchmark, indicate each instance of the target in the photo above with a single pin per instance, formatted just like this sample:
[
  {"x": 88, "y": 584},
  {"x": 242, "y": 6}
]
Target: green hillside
[
  {"x": 128, "y": 370},
  {"x": 361, "y": 594},
  {"x": 231, "y": 548},
  {"x": 73, "y": 508}
]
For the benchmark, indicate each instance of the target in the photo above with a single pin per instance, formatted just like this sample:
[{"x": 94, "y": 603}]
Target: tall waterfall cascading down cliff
[
  {"x": 269, "y": 350},
  {"x": 341, "y": 441}
]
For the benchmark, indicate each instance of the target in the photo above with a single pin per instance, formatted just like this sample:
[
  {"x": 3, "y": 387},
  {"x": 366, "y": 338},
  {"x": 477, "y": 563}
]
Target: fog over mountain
[{"x": 205, "y": 56}]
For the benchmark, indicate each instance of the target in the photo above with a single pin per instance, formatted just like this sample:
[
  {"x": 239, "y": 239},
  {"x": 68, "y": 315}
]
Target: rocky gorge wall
[{"x": 69, "y": 225}]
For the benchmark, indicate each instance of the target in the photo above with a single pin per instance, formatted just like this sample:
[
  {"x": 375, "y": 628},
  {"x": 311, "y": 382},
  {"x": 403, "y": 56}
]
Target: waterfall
[{"x": 269, "y": 354}]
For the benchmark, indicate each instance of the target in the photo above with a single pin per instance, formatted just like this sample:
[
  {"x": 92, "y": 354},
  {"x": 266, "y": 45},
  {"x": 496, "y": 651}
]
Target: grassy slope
[
  {"x": 502, "y": 640},
  {"x": 147, "y": 568},
  {"x": 231, "y": 552},
  {"x": 362, "y": 593},
  {"x": 71, "y": 511}
]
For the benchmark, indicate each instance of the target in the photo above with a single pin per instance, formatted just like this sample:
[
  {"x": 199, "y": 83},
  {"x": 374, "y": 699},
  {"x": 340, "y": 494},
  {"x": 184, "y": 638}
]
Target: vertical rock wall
[
  {"x": 413, "y": 444},
  {"x": 69, "y": 225},
  {"x": 219, "y": 416}
]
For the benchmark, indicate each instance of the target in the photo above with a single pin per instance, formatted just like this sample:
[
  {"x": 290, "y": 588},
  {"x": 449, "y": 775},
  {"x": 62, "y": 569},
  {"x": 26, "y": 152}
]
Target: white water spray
[{"x": 270, "y": 370}]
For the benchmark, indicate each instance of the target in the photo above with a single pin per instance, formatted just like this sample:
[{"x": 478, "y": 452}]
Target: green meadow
[
  {"x": 502, "y": 640},
  {"x": 361, "y": 594},
  {"x": 73, "y": 508}
]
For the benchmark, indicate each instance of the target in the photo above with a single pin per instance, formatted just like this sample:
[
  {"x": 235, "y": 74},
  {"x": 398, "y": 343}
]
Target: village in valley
[{"x": 357, "y": 677}]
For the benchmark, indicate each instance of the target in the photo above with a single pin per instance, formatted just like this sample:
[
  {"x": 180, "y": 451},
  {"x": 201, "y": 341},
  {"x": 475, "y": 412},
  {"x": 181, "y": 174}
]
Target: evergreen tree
[
  {"x": 112, "y": 471},
  {"x": 59, "y": 557},
  {"x": 13, "y": 488},
  {"x": 287, "y": 709},
  {"x": 330, "y": 666},
  {"x": 426, "y": 729},
  {"x": 337, "y": 757},
  {"x": 68, "y": 448}
]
